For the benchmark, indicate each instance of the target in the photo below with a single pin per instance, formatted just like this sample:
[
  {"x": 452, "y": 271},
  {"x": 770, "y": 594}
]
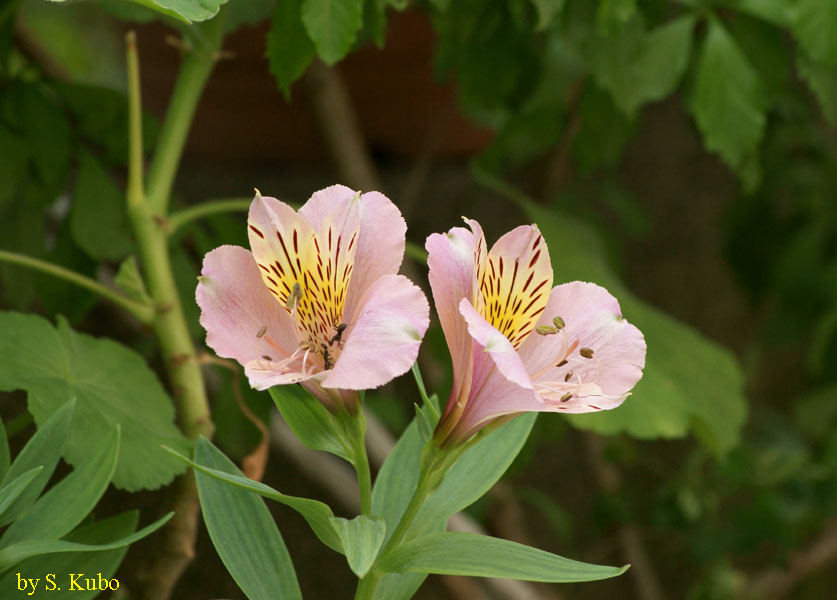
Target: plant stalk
[{"x": 141, "y": 311}]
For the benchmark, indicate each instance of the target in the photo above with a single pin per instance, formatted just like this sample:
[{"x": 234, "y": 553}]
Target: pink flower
[
  {"x": 517, "y": 343},
  {"x": 318, "y": 300}
]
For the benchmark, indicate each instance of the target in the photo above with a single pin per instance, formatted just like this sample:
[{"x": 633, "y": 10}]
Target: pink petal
[
  {"x": 594, "y": 321},
  {"x": 280, "y": 240},
  {"x": 383, "y": 341},
  {"x": 236, "y": 305},
  {"x": 491, "y": 395},
  {"x": 453, "y": 277},
  {"x": 323, "y": 202},
  {"x": 496, "y": 344},
  {"x": 264, "y": 374},
  {"x": 380, "y": 246}
]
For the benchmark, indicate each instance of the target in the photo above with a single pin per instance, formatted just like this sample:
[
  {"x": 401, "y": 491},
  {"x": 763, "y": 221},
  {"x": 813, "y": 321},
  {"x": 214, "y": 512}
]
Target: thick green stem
[
  {"x": 206, "y": 209},
  {"x": 176, "y": 548},
  {"x": 143, "y": 312},
  {"x": 198, "y": 62}
]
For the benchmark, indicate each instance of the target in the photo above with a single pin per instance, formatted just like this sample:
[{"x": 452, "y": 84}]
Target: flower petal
[
  {"x": 263, "y": 374},
  {"x": 383, "y": 341},
  {"x": 594, "y": 323},
  {"x": 323, "y": 202},
  {"x": 281, "y": 241},
  {"x": 380, "y": 247},
  {"x": 491, "y": 395},
  {"x": 502, "y": 352},
  {"x": 453, "y": 277},
  {"x": 236, "y": 307}
]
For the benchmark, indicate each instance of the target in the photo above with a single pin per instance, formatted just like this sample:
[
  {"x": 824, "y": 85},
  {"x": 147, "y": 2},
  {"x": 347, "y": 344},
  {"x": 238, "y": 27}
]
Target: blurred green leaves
[
  {"x": 289, "y": 49},
  {"x": 111, "y": 384},
  {"x": 730, "y": 102}
]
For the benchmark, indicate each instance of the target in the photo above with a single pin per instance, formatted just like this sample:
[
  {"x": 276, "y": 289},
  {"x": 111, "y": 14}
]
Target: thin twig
[
  {"x": 141, "y": 311},
  {"x": 339, "y": 126},
  {"x": 558, "y": 166},
  {"x": 645, "y": 578},
  {"x": 205, "y": 209}
]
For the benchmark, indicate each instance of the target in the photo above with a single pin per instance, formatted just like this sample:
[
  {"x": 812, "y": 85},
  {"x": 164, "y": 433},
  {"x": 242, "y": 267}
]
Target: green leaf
[
  {"x": 729, "y": 103},
  {"x": 332, "y": 25},
  {"x": 104, "y": 561},
  {"x": 636, "y": 66},
  {"x": 317, "y": 515},
  {"x": 42, "y": 450},
  {"x": 361, "y": 537},
  {"x": 455, "y": 553},
  {"x": 47, "y": 132},
  {"x": 111, "y": 383},
  {"x": 129, "y": 280},
  {"x": 476, "y": 471},
  {"x": 312, "y": 423},
  {"x": 13, "y": 165},
  {"x": 822, "y": 80},
  {"x": 11, "y": 490},
  {"x": 68, "y": 502},
  {"x": 777, "y": 12},
  {"x": 22, "y": 550},
  {"x": 98, "y": 220},
  {"x": 246, "y": 12},
  {"x": 547, "y": 11},
  {"x": 190, "y": 10},
  {"x": 815, "y": 24},
  {"x": 243, "y": 532},
  {"x": 289, "y": 50},
  {"x": 675, "y": 394},
  {"x": 612, "y": 13}
]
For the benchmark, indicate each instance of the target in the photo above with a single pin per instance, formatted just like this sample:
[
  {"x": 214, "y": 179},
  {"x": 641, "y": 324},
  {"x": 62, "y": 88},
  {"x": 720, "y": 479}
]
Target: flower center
[
  {"x": 514, "y": 290},
  {"x": 309, "y": 274}
]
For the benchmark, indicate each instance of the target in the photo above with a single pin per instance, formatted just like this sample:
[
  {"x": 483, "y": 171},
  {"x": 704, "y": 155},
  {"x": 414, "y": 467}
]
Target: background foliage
[{"x": 568, "y": 90}]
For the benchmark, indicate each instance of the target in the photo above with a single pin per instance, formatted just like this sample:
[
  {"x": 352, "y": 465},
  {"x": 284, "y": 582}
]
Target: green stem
[
  {"x": 141, "y": 311},
  {"x": 206, "y": 209},
  {"x": 364, "y": 476},
  {"x": 367, "y": 585},
  {"x": 135, "y": 192},
  {"x": 195, "y": 69}
]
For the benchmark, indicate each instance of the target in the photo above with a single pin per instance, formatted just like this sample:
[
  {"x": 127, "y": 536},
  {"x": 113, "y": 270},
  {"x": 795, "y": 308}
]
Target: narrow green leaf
[
  {"x": 98, "y": 219},
  {"x": 317, "y": 514},
  {"x": 91, "y": 563},
  {"x": 111, "y": 383},
  {"x": 815, "y": 25},
  {"x": 289, "y": 50},
  {"x": 312, "y": 423},
  {"x": 22, "y": 550},
  {"x": 5, "y": 457},
  {"x": 361, "y": 538},
  {"x": 243, "y": 532},
  {"x": 476, "y": 471},
  {"x": 42, "y": 450},
  {"x": 332, "y": 25},
  {"x": 68, "y": 502},
  {"x": 11, "y": 490},
  {"x": 191, "y": 10},
  {"x": 454, "y": 553},
  {"x": 397, "y": 477},
  {"x": 729, "y": 103}
]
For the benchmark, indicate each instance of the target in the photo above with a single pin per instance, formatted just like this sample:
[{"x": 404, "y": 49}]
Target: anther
[
  {"x": 294, "y": 297},
  {"x": 586, "y": 352},
  {"x": 562, "y": 363},
  {"x": 261, "y": 331},
  {"x": 566, "y": 397},
  {"x": 546, "y": 330},
  {"x": 559, "y": 322},
  {"x": 266, "y": 357},
  {"x": 567, "y": 376}
]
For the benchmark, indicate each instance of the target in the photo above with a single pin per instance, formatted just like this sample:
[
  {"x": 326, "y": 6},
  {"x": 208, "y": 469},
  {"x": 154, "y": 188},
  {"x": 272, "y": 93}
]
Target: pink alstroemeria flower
[
  {"x": 517, "y": 343},
  {"x": 318, "y": 300}
]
